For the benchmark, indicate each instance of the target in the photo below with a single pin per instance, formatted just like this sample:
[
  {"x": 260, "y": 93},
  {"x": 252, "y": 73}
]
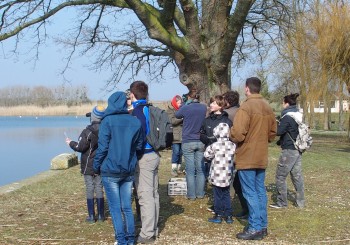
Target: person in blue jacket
[{"x": 121, "y": 141}]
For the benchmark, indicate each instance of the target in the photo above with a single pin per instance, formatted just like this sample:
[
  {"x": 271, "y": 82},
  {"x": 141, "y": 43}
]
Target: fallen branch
[{"x": 348, "y": 239}]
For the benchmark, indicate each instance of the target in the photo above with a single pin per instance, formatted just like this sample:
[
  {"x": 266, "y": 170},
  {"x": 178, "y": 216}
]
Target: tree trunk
[
  {"x": 197, "y": 74},
  {"x": 341, "y": 114}
]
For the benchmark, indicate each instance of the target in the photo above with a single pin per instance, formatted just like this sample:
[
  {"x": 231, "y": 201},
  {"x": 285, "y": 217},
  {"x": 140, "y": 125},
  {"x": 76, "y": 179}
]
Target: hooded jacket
[
  {"x": 177, "y": 124},
  {"x": 253, "y": 128},
  {"x": 288, "y": 125},
  {"x": 121, "y": 138},
  {"x": 207, "y": 129},
  {"x": 221, "y": 152},
  {"x": 87, "y": 145}
]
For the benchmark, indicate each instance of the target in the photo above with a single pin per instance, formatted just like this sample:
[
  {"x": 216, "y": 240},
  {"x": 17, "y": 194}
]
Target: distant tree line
[{"x": 43, "y": 96}]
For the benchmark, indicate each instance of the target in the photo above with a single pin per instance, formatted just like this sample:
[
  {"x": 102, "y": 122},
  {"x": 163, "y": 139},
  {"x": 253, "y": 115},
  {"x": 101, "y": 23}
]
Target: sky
[{"x": 22, "y": 69}]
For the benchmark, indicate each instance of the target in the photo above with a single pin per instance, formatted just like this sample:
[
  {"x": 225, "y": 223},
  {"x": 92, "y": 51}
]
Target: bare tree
[{"x": 198, "y": 37}]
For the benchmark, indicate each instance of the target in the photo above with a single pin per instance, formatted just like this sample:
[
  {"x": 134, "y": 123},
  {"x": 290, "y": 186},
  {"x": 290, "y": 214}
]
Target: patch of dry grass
[
  {"x": 53, "y": 211},
  {"x": 61, "y": 110}
]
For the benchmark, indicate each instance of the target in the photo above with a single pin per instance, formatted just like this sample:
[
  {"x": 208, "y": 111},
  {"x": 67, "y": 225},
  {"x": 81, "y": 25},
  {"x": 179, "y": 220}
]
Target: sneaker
[
  {"x": 174, "y": 173},
  {"x": 229, "y": 219},
  {"x": 216, "y": 219},
  {"x": 142, "y": 240},
  {"x": 275, "y": 205}
]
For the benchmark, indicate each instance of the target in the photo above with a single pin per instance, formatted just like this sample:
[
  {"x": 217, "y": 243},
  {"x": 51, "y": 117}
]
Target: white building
[{"x": 335, "y": 106}]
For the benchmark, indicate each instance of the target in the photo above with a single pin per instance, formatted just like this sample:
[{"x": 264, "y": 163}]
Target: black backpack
[{"x": 160, "y": 134}]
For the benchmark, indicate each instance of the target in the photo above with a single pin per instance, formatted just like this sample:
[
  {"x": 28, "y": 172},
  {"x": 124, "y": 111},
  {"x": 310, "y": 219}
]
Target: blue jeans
[
  {"x": 193, "y": 153},
  {"x": 118, "y": 192},
  {"x": 176, "y": 156},
  {"x": 222, "y": 201},
  {"x": 253, "y": 188}
]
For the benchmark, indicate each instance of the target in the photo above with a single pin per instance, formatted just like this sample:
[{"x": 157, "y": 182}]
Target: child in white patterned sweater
[{"x": 220, "y": 176}]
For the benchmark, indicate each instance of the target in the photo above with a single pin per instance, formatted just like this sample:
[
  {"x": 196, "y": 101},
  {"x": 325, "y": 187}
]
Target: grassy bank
[{"x": 53, "y": 211}]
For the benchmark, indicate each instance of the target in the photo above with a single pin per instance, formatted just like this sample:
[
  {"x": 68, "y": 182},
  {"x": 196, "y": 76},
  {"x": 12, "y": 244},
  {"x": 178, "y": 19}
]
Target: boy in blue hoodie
[{"x": 121, "y": 139}]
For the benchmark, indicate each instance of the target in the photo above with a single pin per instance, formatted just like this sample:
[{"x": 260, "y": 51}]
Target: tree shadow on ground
[
  {"x": 291, "y": 194},
  {"x": 167, "y": 207}
]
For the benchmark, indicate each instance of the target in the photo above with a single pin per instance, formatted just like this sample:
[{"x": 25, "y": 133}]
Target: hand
[{"x": 68, "y": 140}]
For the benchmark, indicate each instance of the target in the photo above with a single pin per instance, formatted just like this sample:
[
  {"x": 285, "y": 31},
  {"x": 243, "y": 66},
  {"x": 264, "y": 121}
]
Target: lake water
[{"x": 27, "y": 144}]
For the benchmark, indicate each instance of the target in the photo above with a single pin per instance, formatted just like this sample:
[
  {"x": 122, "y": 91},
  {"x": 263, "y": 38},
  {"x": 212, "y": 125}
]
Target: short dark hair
[
  {"x": 254, "y": 85},
  {"x": 291, "y": 99},
  {"x": 139, "y": 89},
  {"x": 231, "y": 98},
  {"x": 220, "y": 101}
]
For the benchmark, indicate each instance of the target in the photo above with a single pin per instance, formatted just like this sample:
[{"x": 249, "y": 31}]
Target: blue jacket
[
  {"x": 120, "y": 138},
  {"x": 287, "y": 125}
]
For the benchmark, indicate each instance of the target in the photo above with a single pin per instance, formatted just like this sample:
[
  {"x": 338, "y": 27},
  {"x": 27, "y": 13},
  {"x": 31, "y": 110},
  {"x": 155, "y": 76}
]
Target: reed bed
[{"x": 61, "y": 110}]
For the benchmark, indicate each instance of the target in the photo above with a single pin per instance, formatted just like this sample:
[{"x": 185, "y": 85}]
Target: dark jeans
[
  {"x": 222, "y": 201},
  {"x": 176, "y": 156}
]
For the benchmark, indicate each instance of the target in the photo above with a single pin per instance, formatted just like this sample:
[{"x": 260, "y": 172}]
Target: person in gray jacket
[{"x": 176, "y": 157}]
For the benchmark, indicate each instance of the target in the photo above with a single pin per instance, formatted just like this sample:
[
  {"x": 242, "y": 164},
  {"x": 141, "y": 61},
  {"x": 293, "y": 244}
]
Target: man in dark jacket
[
  {"x": 87, "y": 145},
  {"x": 121, "y": 138}
]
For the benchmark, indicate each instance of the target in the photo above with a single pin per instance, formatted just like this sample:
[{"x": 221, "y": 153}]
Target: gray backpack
[
  {"x": 304, "y": 140},
  {"x": 160, "y": 134}
]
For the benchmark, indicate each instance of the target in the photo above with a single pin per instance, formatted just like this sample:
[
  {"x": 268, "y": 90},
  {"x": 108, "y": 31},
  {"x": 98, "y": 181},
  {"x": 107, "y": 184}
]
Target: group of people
[{"x": 215, "y": 144}]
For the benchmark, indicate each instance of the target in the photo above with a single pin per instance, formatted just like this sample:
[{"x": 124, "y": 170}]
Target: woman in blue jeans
[{"x": 121, "y": 140}]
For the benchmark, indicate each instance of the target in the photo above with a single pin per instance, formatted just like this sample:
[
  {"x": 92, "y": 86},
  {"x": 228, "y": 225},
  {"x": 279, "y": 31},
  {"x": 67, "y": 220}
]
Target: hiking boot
[
  {"x": 216, "y": 219},
  {"x": 229, "y": 219},
  {"x": 276, "y": 205},
  {"x": 174, "y": 173},
  {"x": 250, "y": 235},
  {"x": 143, "y": 240}
]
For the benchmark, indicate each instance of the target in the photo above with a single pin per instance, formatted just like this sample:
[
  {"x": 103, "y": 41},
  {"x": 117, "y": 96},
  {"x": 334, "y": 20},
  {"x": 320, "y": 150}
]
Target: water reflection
[{"x": 27, "y": 145}]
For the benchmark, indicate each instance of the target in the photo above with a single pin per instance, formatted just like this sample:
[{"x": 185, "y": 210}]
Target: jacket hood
[
  {"x": 291, "y": 108},
  {"x": 116, "y": 104},
  {"x": 222, "y": 131}
]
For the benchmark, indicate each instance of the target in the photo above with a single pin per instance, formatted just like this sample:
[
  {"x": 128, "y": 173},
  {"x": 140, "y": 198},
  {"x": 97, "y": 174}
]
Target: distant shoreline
[{"x": 61, "y": 110}]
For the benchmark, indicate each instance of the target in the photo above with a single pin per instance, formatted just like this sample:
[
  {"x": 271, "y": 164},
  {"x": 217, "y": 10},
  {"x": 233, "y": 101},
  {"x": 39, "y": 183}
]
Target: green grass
[{"x": 53, "y": 211}]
